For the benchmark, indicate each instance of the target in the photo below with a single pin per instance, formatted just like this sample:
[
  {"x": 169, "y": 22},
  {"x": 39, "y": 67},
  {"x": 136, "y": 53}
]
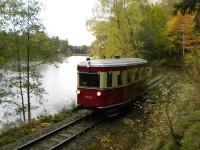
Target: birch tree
[{"x": 24, "y": 32}]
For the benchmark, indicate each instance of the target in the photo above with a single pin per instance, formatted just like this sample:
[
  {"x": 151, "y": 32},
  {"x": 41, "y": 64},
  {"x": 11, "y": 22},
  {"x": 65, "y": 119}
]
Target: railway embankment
[
  {"x": 14, "y": 137},
  {"x": 169, "y": 119}
]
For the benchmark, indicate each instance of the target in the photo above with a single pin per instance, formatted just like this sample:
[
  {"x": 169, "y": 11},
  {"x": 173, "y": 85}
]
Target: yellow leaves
[
  {"x": 171, "y": 25},
  {"x": 180, "y": 30},
  {"x": 180, "y": 23}
]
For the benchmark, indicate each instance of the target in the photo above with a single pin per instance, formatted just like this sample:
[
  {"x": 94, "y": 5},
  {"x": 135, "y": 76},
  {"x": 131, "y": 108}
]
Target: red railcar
[{"x": 106, "y": 83}]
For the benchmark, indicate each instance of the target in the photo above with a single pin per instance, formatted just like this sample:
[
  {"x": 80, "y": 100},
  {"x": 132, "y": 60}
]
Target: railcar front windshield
[{"x": 89, "y": 79}]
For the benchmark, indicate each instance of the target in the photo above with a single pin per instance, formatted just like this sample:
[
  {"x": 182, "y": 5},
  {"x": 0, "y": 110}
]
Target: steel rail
[
  {"x": 54, "y": 131},
  {"x": 68, "y": 125},
  {"x": 74, "y": 136},
  {"x": 154, "y": 81}
]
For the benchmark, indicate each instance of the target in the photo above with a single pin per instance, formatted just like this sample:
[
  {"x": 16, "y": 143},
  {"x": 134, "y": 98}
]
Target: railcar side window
[
  {"x": 109, "y": 79},
  {"x": 133, "y": 74},
  {"x": 143, "y": 72},
  {"x": 129, "y": 76},
  {"x": 119, "y": 78},
  {"x": 137, "y": 74},
  {"x": 89, "y": 80}
]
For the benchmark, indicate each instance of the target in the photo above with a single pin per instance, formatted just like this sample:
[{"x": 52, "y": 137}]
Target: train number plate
[{"x": 89, "y": 97}]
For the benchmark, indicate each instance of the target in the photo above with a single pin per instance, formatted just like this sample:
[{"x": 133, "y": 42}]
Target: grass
[
  {"x": 61, "y": 115},
  {"x": 12, "y": 134}
]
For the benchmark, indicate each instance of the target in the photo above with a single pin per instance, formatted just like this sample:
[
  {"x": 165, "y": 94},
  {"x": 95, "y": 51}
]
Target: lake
[{"x": 60, "y": 83}]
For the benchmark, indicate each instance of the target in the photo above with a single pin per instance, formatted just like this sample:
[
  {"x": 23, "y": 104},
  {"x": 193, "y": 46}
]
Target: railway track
[
  {"x": 63, "y": 135},
  {"x": 155, "y": 81},
  {"x": 67, "y": 133}
]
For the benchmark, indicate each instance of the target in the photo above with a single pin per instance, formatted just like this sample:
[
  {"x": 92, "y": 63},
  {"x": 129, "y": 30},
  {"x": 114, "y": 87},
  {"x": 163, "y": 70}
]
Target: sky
[{"x": 67, "y": 19}]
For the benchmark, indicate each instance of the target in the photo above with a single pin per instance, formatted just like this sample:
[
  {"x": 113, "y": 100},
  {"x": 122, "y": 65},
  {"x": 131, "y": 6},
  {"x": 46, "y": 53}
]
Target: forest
[{"x": 165, "y": 32}]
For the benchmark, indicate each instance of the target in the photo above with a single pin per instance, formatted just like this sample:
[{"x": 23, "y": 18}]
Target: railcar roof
[{"x": 113, "y": 62}]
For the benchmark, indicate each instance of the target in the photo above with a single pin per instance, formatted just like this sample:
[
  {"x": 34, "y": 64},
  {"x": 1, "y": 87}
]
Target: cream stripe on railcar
[
  {"x": 114, "y": 78},
  {"x": 124, "y": 78},
  {"x": 103, "y": 80}
]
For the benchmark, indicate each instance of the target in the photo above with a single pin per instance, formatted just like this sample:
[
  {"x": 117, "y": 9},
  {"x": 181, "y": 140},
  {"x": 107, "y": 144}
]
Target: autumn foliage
[{"x": 181, "y": 34}]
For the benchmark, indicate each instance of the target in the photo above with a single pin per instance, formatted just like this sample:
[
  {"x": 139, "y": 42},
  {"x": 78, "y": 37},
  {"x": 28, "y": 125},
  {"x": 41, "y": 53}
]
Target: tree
[
  {"x": 23, "y": 40},
  {"x": 12, "y": 17},
  {"x": 190, "y": 7},
  {"x": 168, "y": 6},
  {"x": 153, "y": 34},
  {"x": 115, "y": 25},
  {"x": 181, "y": 34}
]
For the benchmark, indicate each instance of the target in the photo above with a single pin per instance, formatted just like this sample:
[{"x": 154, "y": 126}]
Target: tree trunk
[
  {"x": 28, "y": 68},
  {"x": 132, "y": 40},
  {"x": 20, "y": 78}
]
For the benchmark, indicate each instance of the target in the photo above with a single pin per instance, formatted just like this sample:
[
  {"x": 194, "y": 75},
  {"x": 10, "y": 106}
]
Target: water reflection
[{"x": 60, "y": 83}]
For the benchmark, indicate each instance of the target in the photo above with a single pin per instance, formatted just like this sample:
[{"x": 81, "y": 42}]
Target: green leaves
[
  {"x": 153, "y": 34},
  {"x": 115, "y": 26}
]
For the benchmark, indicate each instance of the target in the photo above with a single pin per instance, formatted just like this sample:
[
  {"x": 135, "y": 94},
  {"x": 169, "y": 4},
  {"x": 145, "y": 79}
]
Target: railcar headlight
[
  {"x": 78, "y": 91},
  {"x": 98, "y": 93}
]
